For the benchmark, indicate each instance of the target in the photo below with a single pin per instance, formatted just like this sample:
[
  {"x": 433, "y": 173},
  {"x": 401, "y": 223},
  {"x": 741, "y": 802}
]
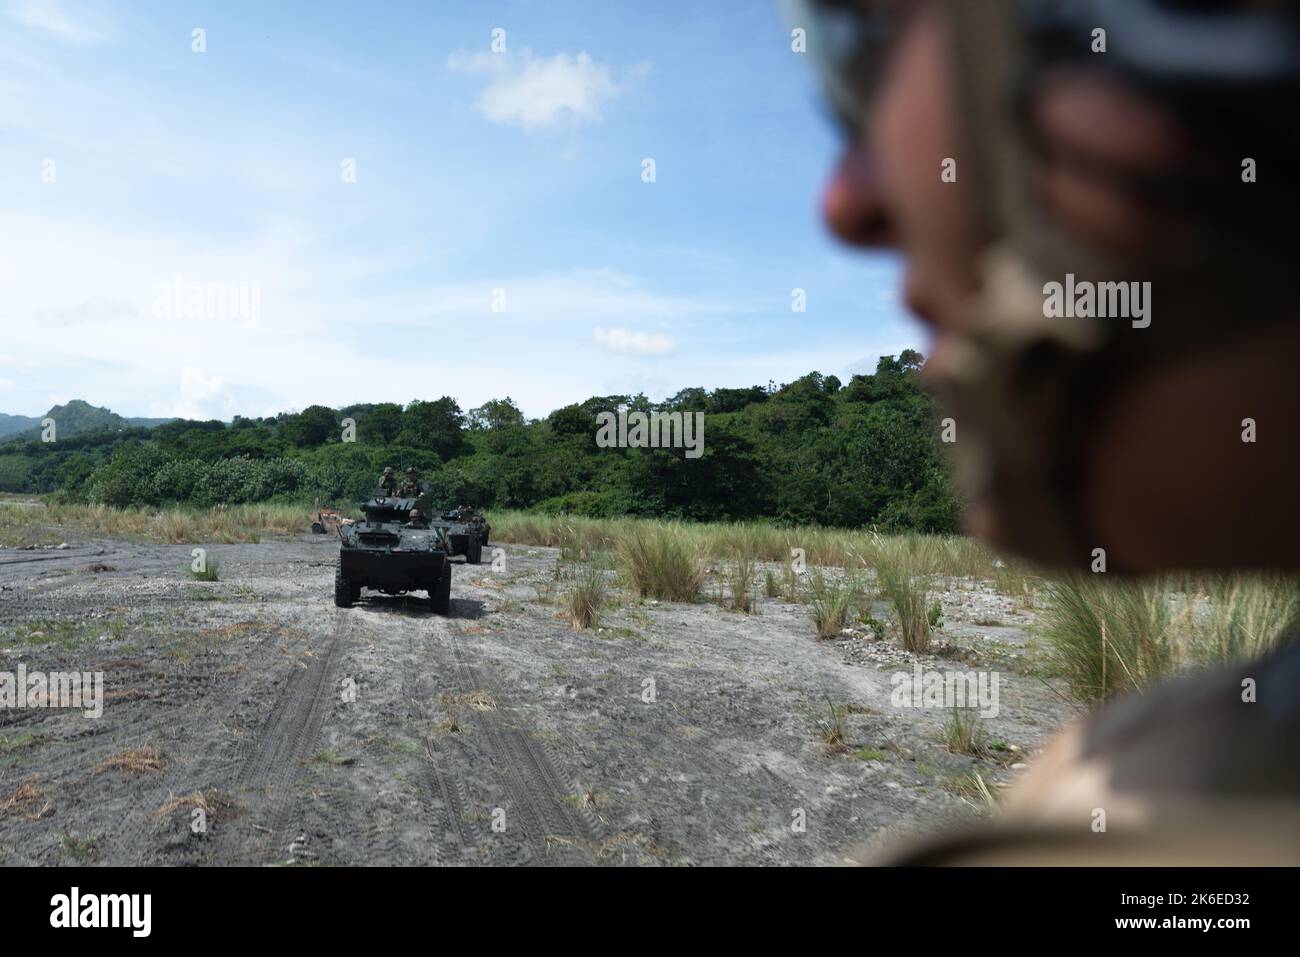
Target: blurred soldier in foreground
[
  {"x": 1096, "y": 202},
  {"x": 388, "y": 482}
]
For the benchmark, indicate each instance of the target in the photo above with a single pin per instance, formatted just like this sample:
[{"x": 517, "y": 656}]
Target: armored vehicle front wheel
[
  {"x": 440, "y": 593},
  {"x": 345, "y": 593}
]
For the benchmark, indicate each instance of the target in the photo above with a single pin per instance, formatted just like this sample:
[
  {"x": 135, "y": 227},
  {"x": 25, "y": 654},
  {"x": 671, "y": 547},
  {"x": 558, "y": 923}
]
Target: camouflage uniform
[
  {"x": 411, "y": 487},
  {"x": 414, "y": 488},
  {"x": 388, "y": 483},
  {"x": 1200, "y": 770}
]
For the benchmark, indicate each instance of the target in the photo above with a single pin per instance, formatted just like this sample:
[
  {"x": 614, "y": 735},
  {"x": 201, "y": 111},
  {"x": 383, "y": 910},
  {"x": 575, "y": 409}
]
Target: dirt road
[{"x": 249, "y": 721}]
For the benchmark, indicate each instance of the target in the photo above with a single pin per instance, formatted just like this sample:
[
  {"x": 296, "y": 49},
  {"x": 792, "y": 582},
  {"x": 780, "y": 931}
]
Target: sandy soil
[{"x": 384, "y": 734}]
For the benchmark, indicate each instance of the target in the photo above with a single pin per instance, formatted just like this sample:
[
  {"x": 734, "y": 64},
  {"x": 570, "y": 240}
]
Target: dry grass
[
  {"x": 211, "y": 802},
  {"x": 949, "y": 555},
  {"x": 831, "y": 730},
  {"x": 587, "y": 594},
  {"x": 236, "y": 523},
  {"x": 971, "y": 788},
  {"x": 450, "y": 724},
  {"x": 137, "y": 761},
  {"x": 905, "y": 585},
  {"x": 474, "y": 700},
  {"x": 27, "y": 800},
  {"x": 739, "y": 576},
  {"x": 1108, "y": 637},
  {"x": 211, "y": 570},
  {"x": 662, "y": 561},
  {"x": 832, "y": 601},
  {"x": 963, "y": 733}
]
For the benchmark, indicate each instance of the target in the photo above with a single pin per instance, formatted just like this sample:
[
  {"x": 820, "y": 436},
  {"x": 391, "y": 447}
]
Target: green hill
[
  {"x": 77, "y": 417},
  {"x": 812, "y": 451}
]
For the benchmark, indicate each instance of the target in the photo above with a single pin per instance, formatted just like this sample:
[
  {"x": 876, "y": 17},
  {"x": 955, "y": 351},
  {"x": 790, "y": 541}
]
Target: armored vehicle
[
  {"x": 389, "y": 551},
  {"x": 466, "y": 530},
  {"x": 327, "y": 520}
]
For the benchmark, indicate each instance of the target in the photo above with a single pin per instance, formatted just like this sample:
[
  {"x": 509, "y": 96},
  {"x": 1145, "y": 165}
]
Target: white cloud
[
  {"x": 97, "y": 309},
  {"x": 536, "y": 92},
  {"x": 202, "y": 396},
  {"x": 329, "y": 333},
  {"x": 637, "y": 343},
  {"x": 85, "y": 27}
]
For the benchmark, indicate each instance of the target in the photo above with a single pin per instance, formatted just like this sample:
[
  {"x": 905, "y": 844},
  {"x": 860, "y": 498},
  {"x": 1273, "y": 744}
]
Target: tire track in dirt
[
  {"x": 199, "y": 756},
  {"x": 275, "y": 758},
  {"x": 444, "y": 795},
  {"x": 554, "y": 831}
]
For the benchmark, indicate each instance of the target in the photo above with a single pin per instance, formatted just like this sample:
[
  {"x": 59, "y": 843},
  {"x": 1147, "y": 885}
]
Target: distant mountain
[
  {"x": 13, "y": 424},
  {"x": 74, "y": 418}
]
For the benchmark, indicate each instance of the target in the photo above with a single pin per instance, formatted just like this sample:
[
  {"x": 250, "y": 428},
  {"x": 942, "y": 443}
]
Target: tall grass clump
[
  {"x": 1017, "y": 581},
  {"x": 790, "y": 583},
  {"x": 211, "y": 570},
  {"x": 964, "y": 733},
  {"x": 832, "y": 601},
  {"x": 1108, "y": 636},
  {"x": 739, "y": 577},
  {"x": 905, "y": 585},
  {"x": 1247, "y": 617},
  {"x": 661, "y": 562},
  {"x": 586, "y": 595}
]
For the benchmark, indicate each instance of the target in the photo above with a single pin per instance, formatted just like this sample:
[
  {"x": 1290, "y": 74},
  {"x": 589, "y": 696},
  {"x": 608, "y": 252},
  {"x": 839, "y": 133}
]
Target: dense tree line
[{"x": 810, "y": 451}]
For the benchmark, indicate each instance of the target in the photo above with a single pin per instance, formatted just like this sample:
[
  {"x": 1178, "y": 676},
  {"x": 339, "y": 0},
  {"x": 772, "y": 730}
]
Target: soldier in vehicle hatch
[
  {"x": 414, "y": 488},
  {"x": 388, "y": 481}
]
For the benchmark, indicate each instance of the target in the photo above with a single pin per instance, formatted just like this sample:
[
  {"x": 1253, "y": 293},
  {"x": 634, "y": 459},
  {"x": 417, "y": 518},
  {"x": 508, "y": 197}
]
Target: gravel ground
[{"x": 385, "y": 734}]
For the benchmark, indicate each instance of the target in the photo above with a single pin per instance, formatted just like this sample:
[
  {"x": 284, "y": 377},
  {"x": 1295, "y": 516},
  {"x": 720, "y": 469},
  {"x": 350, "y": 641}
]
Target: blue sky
[{"x": 482, "y": 179}]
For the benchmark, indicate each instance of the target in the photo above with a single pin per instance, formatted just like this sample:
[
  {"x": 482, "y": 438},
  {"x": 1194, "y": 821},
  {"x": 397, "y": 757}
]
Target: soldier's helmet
[
  {"x": 388, "y": 470},
  {"x": 411, "y": 471}
]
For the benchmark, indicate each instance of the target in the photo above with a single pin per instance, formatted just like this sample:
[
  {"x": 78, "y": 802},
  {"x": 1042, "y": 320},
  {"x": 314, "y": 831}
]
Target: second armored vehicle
[
  {"x": 393, "y": 550},
  {"x": 466, "y": 530}
]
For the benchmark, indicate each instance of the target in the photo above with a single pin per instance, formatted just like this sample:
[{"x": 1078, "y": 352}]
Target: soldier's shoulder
[{"x": 1224, "y": 732}]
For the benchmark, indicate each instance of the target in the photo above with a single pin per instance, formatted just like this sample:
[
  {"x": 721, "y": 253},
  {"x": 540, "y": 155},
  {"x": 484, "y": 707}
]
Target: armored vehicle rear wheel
[
  {"x": 345, "y": 593},
  {"x": 440, "y": 593},
  {"x": 474, "y": 551}
]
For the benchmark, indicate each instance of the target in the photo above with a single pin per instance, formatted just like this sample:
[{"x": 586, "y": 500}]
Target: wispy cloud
[
  {"x": 535, "y": 92},
  {"x": 636, "y": 343},
  {"x": 84, "y": 26},
  {"x": 96, "y": 309}
]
